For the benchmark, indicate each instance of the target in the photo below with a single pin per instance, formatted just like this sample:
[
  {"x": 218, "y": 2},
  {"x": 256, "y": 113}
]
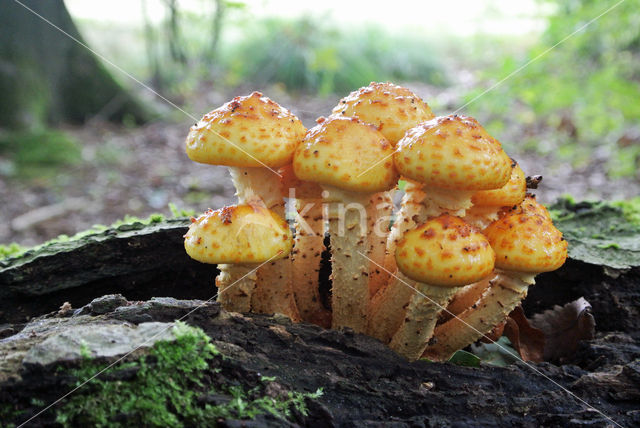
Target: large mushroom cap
[
  {"x": 511, "y": 193},
  {"x": 391, "y": 108},
  {"x": 238, "y": 234},
  {"x": 346, "y": 153},
  {"x": 249, "y": 131},
  {"x": 526, "y": 242},
  {"x": 445, "y": 251},
  {"x": 453, "y": 152}
]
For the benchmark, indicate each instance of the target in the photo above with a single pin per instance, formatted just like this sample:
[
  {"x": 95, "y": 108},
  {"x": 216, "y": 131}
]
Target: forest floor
[{"x": 140, "y": 170}]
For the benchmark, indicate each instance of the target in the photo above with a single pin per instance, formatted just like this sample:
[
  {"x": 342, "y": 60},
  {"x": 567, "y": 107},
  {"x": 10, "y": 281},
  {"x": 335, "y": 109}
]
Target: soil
[{"x": 139, "y": 171}]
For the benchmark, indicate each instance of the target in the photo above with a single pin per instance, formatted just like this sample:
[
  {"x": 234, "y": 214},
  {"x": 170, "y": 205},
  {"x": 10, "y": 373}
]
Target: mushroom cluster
[{"x": 452, "y": 262}]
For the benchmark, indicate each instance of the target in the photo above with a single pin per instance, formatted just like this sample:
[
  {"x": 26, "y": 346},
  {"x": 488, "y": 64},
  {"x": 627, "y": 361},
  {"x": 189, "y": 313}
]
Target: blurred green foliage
[
  {"x": 307, "y": 54},
  {"x": 38, "y": 153},
  {"x": 581, "y": 95}
]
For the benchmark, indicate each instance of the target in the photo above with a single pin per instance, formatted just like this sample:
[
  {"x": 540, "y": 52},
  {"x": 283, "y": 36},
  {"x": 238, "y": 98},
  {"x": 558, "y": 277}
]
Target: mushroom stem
[
  {"x": 422, "y": 314},
  {"x": 379, "y": 212},
  {"x": 273, "y": 292},
  {"x": 307, "y": 256},
  {"x": 236, "y": 283},
  {"x": 439, "y": 200},
  {"x": 505, "y": 292},
  {"x": 466, "y": 297},
  {"x": 410, "y": 213},
  {"x": 388, "y": 308},
  {"x": 349, "y": 270}
]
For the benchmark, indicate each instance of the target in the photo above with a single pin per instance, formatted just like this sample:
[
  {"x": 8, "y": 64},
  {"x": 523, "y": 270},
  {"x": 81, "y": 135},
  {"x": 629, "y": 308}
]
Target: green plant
[
  {"x": 577, "y": 96},
  {"x": 39, "y": 153},
  {"x": 307, "y": 54},
  {"x": 165, "y": 389}
]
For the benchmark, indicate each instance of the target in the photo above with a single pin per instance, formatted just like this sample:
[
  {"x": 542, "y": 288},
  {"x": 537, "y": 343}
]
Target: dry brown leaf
[
  {"x": 527, "y": 340},
  {"x": 565, "y": 326}
]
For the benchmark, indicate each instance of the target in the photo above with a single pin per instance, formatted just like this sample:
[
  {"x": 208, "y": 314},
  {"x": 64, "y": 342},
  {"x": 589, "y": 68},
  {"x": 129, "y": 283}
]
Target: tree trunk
[{"x": 46, "y": 77}]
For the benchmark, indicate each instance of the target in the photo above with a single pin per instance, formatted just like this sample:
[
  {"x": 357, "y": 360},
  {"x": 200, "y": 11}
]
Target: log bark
[{"x": 364, "y": 383}]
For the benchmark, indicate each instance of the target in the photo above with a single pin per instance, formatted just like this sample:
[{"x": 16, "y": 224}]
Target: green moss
[
  {"x": 630, "y": 210},
  {"x": 168, "y": 388},
  {"x": 602, "y": 233},
  {"x": 11, "y": 250},
  {"x": 39, "y": 153},
  {"x": 129, "y": 222}
]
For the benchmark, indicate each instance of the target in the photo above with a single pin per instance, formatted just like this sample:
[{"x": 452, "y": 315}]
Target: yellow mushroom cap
[
  {"x": 511, "y": 193},
  {"x": 453, "y": 152},
  {"x": 238, "y": 234},
  {"x": 302, "y": 189},
  {"x": 446, "y": 252},
  {"x": 391, "y": 108},
  {"x": 346, "y": 153},
  {"x": 249, "y": 131},
  {"x": 531, "y": 206},
  {"x": 526, "y": 242}
]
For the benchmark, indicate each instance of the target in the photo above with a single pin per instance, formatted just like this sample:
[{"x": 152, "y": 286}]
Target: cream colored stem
[
  {"x": 465, "y": 298},
  {"x": 389, "y": 308},
  {"x": 379, "y": 211},
  {"x": 235, "y": 286},
  {"x": 273, "y": 293},
  {"x": 420, "y": 319},
  {"x": 410, "y": 213},
  {"x": 506, "y": 292},
  {"x": 439, "y": 201},
  {"x": 349, "y": 269},
  {"x": 307, "y": 256}
]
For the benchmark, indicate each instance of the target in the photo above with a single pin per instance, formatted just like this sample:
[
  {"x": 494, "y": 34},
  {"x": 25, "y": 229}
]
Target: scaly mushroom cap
[
  {"x": 303, "y": 189},
  {"x": 238, "y": 234},
  {"x": 346, "y": 153},
  {"x": 531, "y": 206},
  {"x": 245, "y": 130},
  {"x": 391, "y": 108},
  {"x": 511, "y": 193},
  {"x": 446, "y": 252},
  {"x": 526, "y": 242},
  {"x": 453, "y": 152}
]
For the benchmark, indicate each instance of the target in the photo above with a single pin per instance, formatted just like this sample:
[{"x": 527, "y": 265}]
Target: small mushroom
[
  {"x": 239, "y": 239},
  {"x": 343, "y": 155},
  {"x": 526, "y": 243},
  {"x": 442, "y": 255},
  {"x": 487, "y": 207},
  {"x": 253, "y": 136},
  {"x": 487, "y": 204}
]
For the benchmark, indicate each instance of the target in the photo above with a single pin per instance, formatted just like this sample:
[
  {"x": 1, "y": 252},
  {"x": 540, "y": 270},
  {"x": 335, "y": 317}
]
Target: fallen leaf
[
  {"x": 564, "y": 327},
  {"x": 527, "y": 340},
  {"x": 464, "y": 358}
]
